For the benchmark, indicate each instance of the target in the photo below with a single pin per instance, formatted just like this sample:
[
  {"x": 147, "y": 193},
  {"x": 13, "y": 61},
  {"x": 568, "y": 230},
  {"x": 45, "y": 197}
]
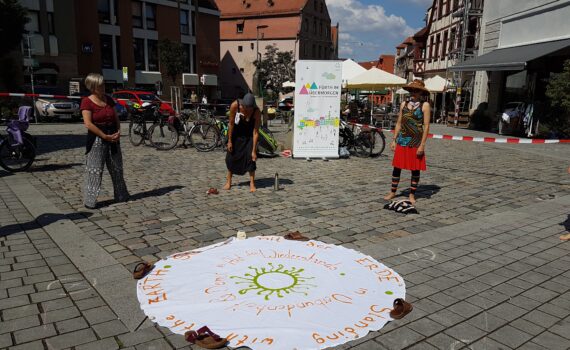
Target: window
[
  {"x": 116, "y": 12},
  {"x": 431, "y": 48},
  {"x": 106, "y": 51},
  {"x": 240, "y": 28},
  {"x": 252, "y": 45},
  {"x": 193, "y": 18},
  {"x": 33, "y": 26},
  {"x": 444, "y": 47},
  {"x": 240, "y": 48},
  {"x": 440, "y": 8},
  {"x": 241, "y": 70},
  {"x": 138, "y": 47},
  {"x": 306, "y": 24},
  {"x": 448, "y": 7},
  {"x": 452, "y": 40},
  {"x": 152, "y": 55},
  {"x": 455, "y": 5},
  {"x": 314, "y": 50},
  {"x": 51, "y": 25},
  {"x": 437, "y": 41},
  {"x": 315, "y": 25},
  {"x": 316, "y": 4},
  {"x": 184, "y": 25},
  {"x": 150, "y": 16},
  {"x": 194, "y": 70},
  {"x": 118, "y": 51},
  {"x": 322, "y": 7},
  {"x": 320, "y": 52},
  {"x": 136, "y": 9},
  {"x": 321, "y": 28},
  {"x": 186, "y": 48},
  {"x": 104, "y": 11}
]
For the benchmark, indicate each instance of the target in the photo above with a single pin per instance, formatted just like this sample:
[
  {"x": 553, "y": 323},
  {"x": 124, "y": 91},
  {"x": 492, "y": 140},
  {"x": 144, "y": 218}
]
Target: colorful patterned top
[{"x": 412, "y": 127}]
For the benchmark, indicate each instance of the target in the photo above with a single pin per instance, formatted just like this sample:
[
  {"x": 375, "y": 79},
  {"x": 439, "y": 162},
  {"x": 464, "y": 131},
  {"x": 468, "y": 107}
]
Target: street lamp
[{"x": 256, "y": 88}]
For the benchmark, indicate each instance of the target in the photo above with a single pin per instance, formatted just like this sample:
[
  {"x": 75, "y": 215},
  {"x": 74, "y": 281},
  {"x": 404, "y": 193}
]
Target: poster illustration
[{"x": 317, "y": 109}]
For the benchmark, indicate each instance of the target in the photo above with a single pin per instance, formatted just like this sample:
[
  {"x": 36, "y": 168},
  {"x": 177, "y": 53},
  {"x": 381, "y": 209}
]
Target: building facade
[
  {"x": 68, "y": 41},
  {"x": 522, "y": 44},
  {"x": 248, "y": 26}
]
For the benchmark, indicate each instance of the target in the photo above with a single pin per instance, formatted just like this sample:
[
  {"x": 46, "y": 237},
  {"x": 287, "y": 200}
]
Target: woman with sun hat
[{"x": 410, "y": 136}]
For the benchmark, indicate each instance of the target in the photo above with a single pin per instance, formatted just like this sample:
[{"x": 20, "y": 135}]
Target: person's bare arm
[
  {"x": 398, "y": 127},
  {"x": 426, "y": 109},
  {"x": 88, "y": 122},
  {"x": 256, "y": 134},
  {"x": 232, "y": 121}
]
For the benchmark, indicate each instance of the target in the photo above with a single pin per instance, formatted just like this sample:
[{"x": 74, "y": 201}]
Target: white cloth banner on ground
[
  {"x": 317, "y": 109},
  {"x": 271, "y": 293}
]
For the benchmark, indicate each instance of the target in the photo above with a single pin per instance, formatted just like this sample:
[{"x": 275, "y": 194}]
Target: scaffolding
[{"x": 471, "y": 15}]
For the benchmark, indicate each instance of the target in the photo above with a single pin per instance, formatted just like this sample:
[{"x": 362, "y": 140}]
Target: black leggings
[{"x": 413, "y": 184}]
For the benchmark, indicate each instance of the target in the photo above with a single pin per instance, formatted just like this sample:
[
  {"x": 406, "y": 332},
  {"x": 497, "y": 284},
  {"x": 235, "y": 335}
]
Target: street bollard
[{"x": 276, "y": 182}]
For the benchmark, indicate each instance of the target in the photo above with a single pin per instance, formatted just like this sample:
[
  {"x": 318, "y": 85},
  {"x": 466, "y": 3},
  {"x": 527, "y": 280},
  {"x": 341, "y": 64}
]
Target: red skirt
[{"x": 407, "y": 158}]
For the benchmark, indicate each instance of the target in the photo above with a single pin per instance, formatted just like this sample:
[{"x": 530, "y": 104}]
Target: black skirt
[{"x": 239, "y": 161}]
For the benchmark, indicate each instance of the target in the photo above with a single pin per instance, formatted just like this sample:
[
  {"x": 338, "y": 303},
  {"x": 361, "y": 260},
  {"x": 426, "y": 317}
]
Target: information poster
[{"x": 317, "y": 109}]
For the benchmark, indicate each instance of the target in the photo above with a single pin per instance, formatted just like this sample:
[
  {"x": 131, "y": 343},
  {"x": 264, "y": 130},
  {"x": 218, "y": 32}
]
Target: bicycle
[
  {"x": 162, "y": 135},
  {"x": 365, "y": 142},
  {"x": 17, "y": 148}
]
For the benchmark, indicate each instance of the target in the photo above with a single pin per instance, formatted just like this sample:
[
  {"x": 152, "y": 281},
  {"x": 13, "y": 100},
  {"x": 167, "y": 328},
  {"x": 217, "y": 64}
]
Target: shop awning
[{"x": 512, "y": 58}]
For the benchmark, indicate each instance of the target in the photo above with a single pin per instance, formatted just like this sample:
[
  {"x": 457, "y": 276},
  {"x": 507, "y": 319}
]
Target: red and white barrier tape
[
  {"x": 12, "y": 94},
  {"x": 478, "y": 139}
]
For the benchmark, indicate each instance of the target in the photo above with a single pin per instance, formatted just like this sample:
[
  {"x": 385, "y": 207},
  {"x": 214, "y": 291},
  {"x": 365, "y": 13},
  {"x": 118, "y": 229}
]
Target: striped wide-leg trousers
[{"x": 99, "y": 155}]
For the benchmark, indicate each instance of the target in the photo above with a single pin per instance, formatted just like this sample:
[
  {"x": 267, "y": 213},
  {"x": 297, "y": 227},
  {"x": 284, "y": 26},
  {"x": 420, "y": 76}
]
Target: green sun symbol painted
[{"x": 274, "y": 281}]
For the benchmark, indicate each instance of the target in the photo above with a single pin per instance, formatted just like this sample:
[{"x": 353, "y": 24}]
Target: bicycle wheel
[
  {"x": 137, "y": 132},
  {"x": 163, "y": 136},
  {"x": 378, "y": 143},
  {"x": 204, "y": 136},
  {"x": 362, "y": 144},
  {"x": 17, "y": 158}
]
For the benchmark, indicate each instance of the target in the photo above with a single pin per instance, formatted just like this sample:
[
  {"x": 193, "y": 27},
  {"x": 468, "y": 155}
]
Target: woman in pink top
[{"x": 104, "y": 132}]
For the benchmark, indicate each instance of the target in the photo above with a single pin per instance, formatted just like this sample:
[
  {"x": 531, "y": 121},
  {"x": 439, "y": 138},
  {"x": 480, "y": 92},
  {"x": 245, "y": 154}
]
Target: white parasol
[{"x": 271, "y": 293}]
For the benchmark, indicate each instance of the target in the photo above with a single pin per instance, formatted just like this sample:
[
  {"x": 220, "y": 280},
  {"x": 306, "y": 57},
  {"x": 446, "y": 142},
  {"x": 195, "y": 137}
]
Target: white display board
[{"x": 317, "y": 109}]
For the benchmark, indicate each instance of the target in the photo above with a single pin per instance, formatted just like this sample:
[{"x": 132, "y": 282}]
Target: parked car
[
  {"x": 124, "y": 96},
  {"x": 511, "y": 121},
  {"x": 286, "y": 104},
  {"x": 53, "y": 109}
]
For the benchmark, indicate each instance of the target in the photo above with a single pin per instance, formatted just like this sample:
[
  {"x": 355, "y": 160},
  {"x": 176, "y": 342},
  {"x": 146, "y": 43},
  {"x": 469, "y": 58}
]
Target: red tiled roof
[
  {"x": 233, "y": 8},
  {"x": 368, "y": 64}
]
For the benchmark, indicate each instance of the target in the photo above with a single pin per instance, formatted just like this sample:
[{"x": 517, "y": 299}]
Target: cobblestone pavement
[{"x": 482, "y": 262}]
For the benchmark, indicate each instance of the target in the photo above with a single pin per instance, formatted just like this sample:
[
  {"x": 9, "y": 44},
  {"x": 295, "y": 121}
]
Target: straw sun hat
[{"x": 416, "y": 85}]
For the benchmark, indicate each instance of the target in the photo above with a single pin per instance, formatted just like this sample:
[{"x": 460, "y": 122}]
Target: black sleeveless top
[{"x": 244, "y": 128}]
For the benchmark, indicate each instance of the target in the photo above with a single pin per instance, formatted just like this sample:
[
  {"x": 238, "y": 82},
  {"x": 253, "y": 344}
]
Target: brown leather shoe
[
  {"x": 401, "y": 309},
  {"x": 295, "y": 236}
]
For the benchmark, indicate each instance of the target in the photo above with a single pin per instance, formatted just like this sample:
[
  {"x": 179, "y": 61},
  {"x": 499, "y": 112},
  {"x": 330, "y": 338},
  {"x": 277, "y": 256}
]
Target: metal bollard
[{"x": 276, "y": 182}]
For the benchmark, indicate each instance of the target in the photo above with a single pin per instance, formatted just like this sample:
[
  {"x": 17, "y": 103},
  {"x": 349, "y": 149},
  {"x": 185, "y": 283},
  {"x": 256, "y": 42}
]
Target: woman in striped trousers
[{"x": 104, "y": 132}]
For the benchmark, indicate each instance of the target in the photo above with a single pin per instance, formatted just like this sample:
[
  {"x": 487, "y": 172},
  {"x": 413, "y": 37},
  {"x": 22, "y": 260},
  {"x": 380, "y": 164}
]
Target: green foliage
[
  {"x": 275, "y": 68},
  {"x": 13, "y": 20},
  {"x": 171, "y": 58},
  {"x": 558, "y": 93},
  {"x": 558, "y": 89}
]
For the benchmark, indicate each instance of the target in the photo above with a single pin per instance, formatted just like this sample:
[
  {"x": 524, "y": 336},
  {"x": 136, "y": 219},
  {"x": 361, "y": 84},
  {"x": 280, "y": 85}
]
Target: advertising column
[{"x": 317, "y": 109}]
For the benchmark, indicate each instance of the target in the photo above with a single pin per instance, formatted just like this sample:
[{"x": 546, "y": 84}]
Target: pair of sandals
[
  {"x": 205, "y": 338},
  {"x": 402, "y": 206},
  {"x": 296, "y": 236},
  {"x": 212, "y": 190}
]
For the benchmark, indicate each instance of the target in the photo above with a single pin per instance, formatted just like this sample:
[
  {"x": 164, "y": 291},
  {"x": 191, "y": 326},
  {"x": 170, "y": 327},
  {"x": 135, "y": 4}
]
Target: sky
[{"x": 369, "y": 28}]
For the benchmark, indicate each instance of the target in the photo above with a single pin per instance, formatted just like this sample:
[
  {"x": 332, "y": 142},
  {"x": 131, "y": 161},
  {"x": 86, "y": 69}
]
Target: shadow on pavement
[
  {"x": 423, "y": 191},
  {"x": 53, "y": 167},
  {"x": 141, "y": 195},
  {"x": 39, "y": 222},
  {"x": 267, "y": 182},
  {"x": 54, "y": 143}
]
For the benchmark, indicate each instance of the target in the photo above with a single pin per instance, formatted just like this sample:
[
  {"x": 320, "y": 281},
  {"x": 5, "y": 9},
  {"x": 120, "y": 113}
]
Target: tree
[
  {"x": 13, "y": 20},
  {"x": 275, "y": 68},
  {"x": 171, "y": 58},
  {"x": 558, "y": 93}
]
